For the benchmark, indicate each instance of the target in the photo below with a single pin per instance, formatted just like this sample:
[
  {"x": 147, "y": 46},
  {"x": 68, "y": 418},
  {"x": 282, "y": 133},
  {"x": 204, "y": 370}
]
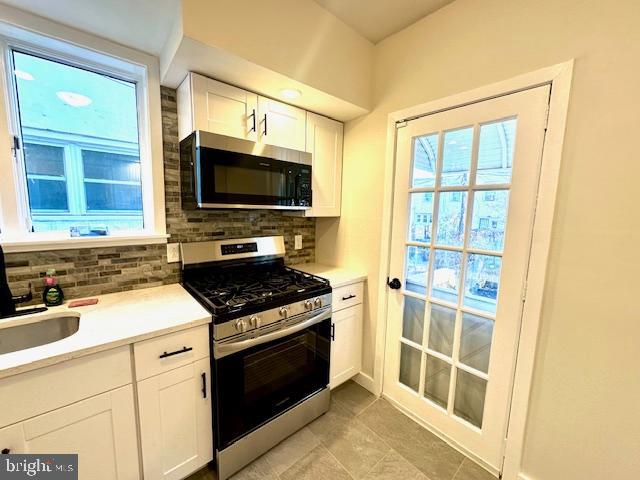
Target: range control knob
[
  {"x": 284, "y": 311},
  {"x": 308, "y": 304},
  {"x": 241, "y": 325},
  {"x": 255, "y": 321},
  {"x": 317, "y": 302}
]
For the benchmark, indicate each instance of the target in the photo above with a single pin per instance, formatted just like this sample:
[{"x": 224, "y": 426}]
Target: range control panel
[{"x": 235, "y": 248}]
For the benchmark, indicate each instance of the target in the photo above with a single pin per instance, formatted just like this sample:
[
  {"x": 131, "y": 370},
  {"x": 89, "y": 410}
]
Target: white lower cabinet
[
  {"x": 175, "y": 421},
  {"x": 346, "y": 348},
  {"x": 100, "y": 429}
]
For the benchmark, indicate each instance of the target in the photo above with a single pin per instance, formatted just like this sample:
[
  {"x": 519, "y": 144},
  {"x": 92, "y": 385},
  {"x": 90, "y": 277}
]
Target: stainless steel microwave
[{"x": 224, "y": 172}]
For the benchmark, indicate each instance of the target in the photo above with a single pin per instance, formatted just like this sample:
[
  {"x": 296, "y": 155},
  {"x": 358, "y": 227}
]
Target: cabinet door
[
  {"x": 101, "y": 430},
  {"x": 346, "y": 349},
  {"x": 175, "y": 421},
  {"x": 281, "y": 124},
  {"x": 223, "y": 109},
  {"x": 324, "y": 142}
]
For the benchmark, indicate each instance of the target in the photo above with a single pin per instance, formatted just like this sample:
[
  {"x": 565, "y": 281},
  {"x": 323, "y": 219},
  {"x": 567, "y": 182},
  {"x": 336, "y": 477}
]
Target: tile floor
[{"x": 360, "y": 437}]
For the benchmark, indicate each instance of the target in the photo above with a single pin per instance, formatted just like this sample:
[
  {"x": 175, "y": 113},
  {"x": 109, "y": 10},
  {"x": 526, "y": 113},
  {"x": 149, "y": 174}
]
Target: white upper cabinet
[
  {"x": 324, "y": 142},
  {"x": 206, "y": 104},
  {"x": 212, "y": 106},
  {"x": 280, "y": 124}
]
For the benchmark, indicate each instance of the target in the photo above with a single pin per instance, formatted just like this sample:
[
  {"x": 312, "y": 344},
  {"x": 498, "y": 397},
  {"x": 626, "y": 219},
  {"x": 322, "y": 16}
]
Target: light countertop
[
  {"x": 337, "y": 276},
  {"x": 117, "y": 319}
]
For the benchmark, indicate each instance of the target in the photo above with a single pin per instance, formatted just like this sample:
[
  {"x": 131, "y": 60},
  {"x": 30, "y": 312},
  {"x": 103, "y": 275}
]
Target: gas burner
[{"x": 237, "y": 289}]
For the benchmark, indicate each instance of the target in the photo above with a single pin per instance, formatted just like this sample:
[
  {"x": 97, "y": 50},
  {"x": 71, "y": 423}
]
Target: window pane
[
  {"x": 47, "y": 194},
  {"x": 495, "y": 153},
  {"x": 421, "y": 216},
  {"x": 446, "y": 275},
  {"x": 417, "y": 269},
  {"x": 410, "y": 366},
  {"x": 441, "y": 326},
  {"x": 89, "y": 112},
  {"x": 451, "y": 218},
  {"x": 475, "y": 341},
  {"x": 413, "y": 319},
  {"x": 482, "y": 282},
  {"x": 425, "y": 155},
  {"x": 489, "y": 220},
  {"x": 456, "y": 157},
  {"x": 110, "y": 196},
  {"x": 111, "y": 166},
  {"x": 44, "y": 159},
  {"x": 436, "y": 380},
  {"x": 470, "y": 393}
]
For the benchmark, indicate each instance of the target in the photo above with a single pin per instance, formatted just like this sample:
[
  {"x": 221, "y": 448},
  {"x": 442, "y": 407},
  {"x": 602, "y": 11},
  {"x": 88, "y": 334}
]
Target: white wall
[
  {"x": 584, "y": 421},
  {"x": 296, "y": 38}
]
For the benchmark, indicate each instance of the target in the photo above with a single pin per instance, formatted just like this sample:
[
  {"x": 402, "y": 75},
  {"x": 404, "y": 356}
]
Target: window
[
  {"x": 83, "y": 142},
  {"x": 80, "y": 141}
]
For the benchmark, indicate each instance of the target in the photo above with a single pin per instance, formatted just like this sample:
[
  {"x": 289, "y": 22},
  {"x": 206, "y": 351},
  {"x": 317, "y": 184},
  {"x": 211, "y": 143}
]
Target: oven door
[
  {"x": 258, "y": 379},
  {"x": 231, "y": 179}
]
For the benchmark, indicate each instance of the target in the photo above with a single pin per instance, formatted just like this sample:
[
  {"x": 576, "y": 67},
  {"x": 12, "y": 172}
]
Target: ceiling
[
  {"x": 141, "y": 24},
  {"x": 377, "y": 19}
]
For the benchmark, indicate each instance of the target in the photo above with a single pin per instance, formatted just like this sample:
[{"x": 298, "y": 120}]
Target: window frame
[{"x": 102, "y": 57}]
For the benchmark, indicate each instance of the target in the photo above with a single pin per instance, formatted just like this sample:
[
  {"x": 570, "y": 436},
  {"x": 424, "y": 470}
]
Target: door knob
[{"x": 394, "y": 284}]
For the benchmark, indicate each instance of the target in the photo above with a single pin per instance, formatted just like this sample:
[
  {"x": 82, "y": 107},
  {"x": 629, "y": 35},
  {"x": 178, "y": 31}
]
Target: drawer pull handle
[
  {"x": 177, "y": 352},
  {"x": 333, "y": 332},
  {"x": 349, "y": 297},
  {"x": 6, "y": 451},
  {"x": 204, "y": 385}
]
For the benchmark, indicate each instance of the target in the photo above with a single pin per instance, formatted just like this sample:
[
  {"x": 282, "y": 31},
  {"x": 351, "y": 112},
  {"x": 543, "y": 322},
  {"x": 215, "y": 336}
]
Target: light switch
[
  {"x": 298, "y": 242},
  {"x": 173, "y": 252}
]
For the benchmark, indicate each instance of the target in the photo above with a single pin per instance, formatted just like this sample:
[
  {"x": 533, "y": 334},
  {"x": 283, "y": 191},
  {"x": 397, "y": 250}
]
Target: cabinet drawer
[
  {"x": 33, "y": 393},
  {"x": 347, "y": 296},
  {"x": 159, "y": 355}
]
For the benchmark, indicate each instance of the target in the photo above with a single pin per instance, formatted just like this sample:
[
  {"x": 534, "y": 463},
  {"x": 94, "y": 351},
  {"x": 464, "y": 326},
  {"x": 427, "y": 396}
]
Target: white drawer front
[
  {"x": 159, "y": 355},
  {"x": 33, "y": 393},
  {"x": 347, "y": 296}
]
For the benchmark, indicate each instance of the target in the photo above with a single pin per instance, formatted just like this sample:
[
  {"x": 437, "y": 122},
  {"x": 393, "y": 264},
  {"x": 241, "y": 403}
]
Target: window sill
[{"x": 68, "y": 243}]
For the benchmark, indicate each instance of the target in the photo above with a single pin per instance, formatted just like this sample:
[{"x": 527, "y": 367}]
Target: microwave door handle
[{"x": 222, "y": 350}]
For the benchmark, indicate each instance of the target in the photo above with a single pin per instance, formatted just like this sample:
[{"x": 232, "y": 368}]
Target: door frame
[{"x": 559, "y": 77}]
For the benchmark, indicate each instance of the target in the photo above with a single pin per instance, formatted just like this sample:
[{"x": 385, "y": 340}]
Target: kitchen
[{"x": 314, "y": 255}]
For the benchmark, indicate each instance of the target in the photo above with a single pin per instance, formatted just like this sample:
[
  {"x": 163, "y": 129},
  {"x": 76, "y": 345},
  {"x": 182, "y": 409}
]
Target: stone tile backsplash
[{"x": 95, "y": 271}]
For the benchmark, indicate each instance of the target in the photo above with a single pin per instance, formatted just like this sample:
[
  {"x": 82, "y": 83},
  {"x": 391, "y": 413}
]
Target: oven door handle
[{"x": 224, "y": 349}]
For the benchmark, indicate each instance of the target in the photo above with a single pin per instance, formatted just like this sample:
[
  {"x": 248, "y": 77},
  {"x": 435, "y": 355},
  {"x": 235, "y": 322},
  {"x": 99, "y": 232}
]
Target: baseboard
[{"x": 365, "y": 381}]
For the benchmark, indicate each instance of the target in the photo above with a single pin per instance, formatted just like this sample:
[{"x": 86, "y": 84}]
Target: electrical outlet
[
  {"x": 298, "y": 242},
  {"x": 173, "y": 252}
]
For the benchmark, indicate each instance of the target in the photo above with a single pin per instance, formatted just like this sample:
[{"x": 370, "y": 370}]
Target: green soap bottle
[{"x": 52, "y": 294}]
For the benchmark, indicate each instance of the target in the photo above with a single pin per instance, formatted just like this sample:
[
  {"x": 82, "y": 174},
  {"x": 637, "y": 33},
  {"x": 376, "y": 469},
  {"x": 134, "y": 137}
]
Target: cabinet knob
[{"x": 6, "y": 451}]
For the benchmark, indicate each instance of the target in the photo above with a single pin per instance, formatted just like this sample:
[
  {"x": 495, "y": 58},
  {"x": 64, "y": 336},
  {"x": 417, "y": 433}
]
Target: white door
[
  {"x": 175, "y": 421},
  {"x": 281, "y": 125},
  {"x": 464, "y": 202},
  {"x": 346, "y": 347},
  {"x": 324, "y": 142},
  {"x": 101, "y": 430},
  {"x": 223, "y": 109}
]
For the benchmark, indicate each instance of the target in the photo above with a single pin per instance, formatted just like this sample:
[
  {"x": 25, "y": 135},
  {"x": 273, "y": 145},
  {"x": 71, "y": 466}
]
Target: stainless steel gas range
[{"x": 271, "y": 340}]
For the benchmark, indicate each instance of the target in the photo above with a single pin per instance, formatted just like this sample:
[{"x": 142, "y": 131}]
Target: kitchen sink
[{"x": 39, "y": 331}]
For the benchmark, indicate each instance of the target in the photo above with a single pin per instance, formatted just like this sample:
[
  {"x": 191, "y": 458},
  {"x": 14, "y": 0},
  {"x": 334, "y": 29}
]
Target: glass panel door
[{"x": 463, "y": 209}]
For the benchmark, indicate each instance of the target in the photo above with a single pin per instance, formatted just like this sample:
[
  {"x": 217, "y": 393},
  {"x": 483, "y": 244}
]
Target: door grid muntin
[{"x": 472, "y": 190}]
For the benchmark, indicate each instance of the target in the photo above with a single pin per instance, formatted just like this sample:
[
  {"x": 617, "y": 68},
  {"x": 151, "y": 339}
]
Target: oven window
[
  {"x": 271, "y": 370},
  {"x": 254, "y": 385},
  {"x": 249, "y": 181}
]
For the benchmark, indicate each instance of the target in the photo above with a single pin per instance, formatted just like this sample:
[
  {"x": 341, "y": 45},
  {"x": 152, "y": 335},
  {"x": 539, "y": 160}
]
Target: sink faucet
[{"x": 7, "y": 300}]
